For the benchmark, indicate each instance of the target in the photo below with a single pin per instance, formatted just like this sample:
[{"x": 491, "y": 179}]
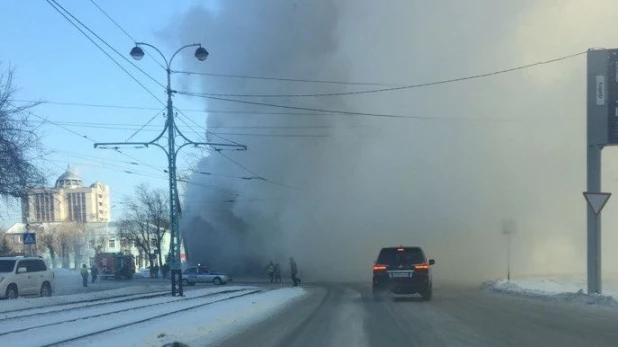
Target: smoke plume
[{"x": 507, "y": 146}]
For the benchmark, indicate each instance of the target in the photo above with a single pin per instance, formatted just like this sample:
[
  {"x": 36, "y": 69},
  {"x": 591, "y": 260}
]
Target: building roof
[{"x": 69, "y": 179}]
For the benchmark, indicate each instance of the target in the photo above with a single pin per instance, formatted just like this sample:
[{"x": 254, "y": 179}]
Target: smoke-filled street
[
  {"x": 346, "y": 315},
  {"x": 271, "y": 172}
]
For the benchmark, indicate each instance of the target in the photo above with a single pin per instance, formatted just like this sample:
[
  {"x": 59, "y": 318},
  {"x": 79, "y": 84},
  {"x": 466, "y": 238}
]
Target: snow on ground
[
  {"x": 34, "y": 302},
  {"x": 203, "y": 326},
  {"x": 564, "y": 288}
]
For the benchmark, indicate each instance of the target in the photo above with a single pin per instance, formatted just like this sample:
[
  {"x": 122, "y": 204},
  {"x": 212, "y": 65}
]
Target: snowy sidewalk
[
  {"x": 559, "y": 289},
  {"x": 203, "y": 315}
]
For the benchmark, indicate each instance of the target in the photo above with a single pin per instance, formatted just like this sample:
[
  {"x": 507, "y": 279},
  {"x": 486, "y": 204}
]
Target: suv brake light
[
  {"x": 377, "y": 267},
  {"x": 421, "y": 267}
]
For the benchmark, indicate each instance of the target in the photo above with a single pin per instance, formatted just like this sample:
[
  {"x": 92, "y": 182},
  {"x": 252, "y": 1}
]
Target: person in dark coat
[
  {"x": 294, "y": 271},
  {"x": 156, "y": 271},
  {"x": 277, "y": 273},
  {"x": 270, "y": 269},
  {"x": 94, "y": 273},
  {"x": 165, "y": 270},
  {"x": 84, "y": 273}
]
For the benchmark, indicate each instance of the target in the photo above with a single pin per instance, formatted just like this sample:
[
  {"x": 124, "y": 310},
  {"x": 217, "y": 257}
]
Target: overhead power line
[
  {"x": 58, "y": 8},
  {"x": 105, "y": 125},
  {"x": 279, "y": 79},
  {"x": 395, "y": 88},
  {"x": 113, "y": 21},
  {"x": 128, "y": 107},
  {"x": 122, "y": 29},
  {"x": 341, "y": 112},
  {"x": 143, "y": 126}
]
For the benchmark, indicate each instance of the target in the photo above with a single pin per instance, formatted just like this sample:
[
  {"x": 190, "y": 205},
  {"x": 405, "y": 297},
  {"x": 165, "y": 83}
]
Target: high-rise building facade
[{"x": 67, "y": 201}]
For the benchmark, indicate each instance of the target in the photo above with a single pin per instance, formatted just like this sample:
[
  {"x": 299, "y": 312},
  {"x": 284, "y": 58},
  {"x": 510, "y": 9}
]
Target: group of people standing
[
  {"x": 164, "y": 270},
  {"x": 94, "y": 273},
  {"x": 274, "y": 272}
]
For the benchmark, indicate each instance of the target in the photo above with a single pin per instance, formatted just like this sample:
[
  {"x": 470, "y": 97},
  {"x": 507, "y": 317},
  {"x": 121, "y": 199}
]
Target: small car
[
  {"x": 402, "y": 270},
  {"x": 22, "y": 275},
  {"x": 197, "y": 274}
]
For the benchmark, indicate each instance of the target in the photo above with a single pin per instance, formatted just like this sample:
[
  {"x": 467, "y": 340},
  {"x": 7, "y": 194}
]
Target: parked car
[
  {"x": 25, "y": 276},
  {"x": 197, "y": 274}
]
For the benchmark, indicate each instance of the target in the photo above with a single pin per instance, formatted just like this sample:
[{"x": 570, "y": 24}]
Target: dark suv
[{"x": 402, "y": 270}]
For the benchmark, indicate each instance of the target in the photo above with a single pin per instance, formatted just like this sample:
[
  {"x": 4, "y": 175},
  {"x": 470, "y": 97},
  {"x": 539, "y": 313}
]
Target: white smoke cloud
[{"x": 506, "y": 146}]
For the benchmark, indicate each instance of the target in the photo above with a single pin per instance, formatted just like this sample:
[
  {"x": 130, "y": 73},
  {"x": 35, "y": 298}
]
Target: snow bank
[
  {"x": 203, "y": 326},
  {"x": 36, "y": 302},
  {"x": 552, "y": 289}
]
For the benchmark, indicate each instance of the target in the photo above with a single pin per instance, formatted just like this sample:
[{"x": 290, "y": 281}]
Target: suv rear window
[
  {"x": 409, "y": 256},
  {"x": 7, "y": 265}
]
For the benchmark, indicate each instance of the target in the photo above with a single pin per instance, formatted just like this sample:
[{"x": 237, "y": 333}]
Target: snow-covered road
[{"x": 148, "y": 319}]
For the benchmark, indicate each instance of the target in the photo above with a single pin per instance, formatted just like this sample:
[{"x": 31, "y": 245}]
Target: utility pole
[
  {"x": 508, "y": 229},
  {"x": 172, "y": 153}
]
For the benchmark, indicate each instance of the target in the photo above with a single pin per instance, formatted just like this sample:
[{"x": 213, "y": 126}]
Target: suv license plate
[{"x": 401, "y": 274}]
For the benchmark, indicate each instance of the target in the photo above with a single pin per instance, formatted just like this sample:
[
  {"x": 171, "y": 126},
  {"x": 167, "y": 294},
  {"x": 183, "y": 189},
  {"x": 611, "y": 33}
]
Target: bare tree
[
  {"x": 134, "y": 227},
  {"x": 47, "y": 238},
  {"x": 155, "y": 204},
  {"x": 79, "y": 244},
  {"x": 19, "y": 144},
  {"x": 146, "y": 221},
  {"x": 66, "y": 235},
  {"x": 5, "y": 244}
]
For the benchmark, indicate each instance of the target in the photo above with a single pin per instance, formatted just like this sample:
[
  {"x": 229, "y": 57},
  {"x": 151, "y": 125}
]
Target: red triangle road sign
[{"x": 597, "y": 201}]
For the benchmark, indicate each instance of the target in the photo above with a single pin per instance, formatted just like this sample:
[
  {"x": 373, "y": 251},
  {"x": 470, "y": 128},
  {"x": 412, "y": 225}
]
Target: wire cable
[
  {"x": 122, "y": 29},
  {"x": 52, "y": 2},
  {"x": 279, "y": 79},
  {"x": 350, "y": 113},
  {"x": 143, "y": 126},
  {"x": 389, "y": 89}
]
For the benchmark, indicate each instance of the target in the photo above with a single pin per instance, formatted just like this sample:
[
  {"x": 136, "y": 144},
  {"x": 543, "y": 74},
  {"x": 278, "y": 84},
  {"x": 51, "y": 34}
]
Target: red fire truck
[{"x": 115, "y": 265}]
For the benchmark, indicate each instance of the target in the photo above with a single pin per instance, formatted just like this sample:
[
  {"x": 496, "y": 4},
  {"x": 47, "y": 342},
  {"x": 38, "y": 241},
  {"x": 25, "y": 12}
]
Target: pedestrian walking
[
  {"x": 94, "y": 273},
  {"x": 156, "y": 271},
  {"x": 270, "y": 269},
  {"x": 294, "y": 271},
  {"x": 277, "y": 273},
  {"x": 165, "y": 269},
  {"x": 84, "y": 273}
]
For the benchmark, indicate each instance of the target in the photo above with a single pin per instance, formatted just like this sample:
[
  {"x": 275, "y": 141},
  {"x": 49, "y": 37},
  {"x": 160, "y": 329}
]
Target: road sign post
[
  {"x": 596, "y": 202},
  {"x": 29, "y": 240},
  {"x": 601, "y": 131}
]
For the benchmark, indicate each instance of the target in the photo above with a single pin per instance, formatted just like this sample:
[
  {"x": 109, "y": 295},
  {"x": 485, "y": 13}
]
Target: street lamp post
[{"x": 172, "y": 153}]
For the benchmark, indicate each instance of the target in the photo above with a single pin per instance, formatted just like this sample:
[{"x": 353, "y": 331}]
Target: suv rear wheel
[
  {"x": 217, "y": 281},
  {"x": 11, "y": 292},
  {"x": 427, "y": 294},
  {"x": 46, "y": 289}
]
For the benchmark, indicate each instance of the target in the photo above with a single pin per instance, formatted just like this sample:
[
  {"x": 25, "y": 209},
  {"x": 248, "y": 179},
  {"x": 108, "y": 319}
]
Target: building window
[
  {"x": 153, "y": 242},
  {"x": 77, "y": 207},
  {"x": 124, "y": 243},
  {"x": 112, "y": 243},
  {"x": 91, "y": 244},
  {"x": 44, "y": 207}
]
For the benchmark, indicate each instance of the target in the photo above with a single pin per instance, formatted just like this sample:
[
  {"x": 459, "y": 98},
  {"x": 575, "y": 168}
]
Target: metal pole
[
  {"x": 171, "y": 151},
  {"x": 176, "y": 270},
  {"x": 596, "y": 137},
  {"x": 508, "y": 255},
  {"x": 594, "y": 222}
]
